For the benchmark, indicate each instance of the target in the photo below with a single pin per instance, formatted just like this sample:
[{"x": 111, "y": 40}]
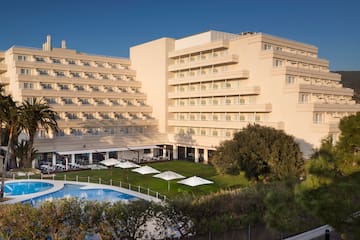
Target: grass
[{"x": 184, "y": 168}]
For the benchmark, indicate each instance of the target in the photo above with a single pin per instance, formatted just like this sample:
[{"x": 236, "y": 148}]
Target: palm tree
[
  {"x": 9, "y": 115},
  {"x": 21, "y": 151},
  {"x": 34, "y": 116}
]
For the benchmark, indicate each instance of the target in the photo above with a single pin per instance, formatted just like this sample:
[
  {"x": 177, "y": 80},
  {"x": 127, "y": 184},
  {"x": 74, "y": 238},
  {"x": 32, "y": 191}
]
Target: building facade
[
  {"x": 178, "y": 98},
  {"x": 101, "y": 107},
  {"x": 214, "y": 84}
]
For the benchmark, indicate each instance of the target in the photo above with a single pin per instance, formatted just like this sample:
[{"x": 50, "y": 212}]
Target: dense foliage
[
  {"x": 331, "y": 189},
  {"x": 75, "y": 219},
  {"x": 260, "y": 152}
]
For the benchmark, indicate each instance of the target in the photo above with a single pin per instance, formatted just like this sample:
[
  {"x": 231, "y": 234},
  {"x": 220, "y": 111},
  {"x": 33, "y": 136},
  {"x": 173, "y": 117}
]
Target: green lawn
[{"x": 184, "y": 168}]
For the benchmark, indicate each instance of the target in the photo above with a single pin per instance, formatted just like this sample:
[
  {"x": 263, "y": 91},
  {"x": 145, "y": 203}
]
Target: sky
[{"x": 111, "y": 27}]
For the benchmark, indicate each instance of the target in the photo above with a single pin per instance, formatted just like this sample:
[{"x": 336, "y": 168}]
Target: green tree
[
  {"x": 19, "y": 221},
  {"x": 21, "y": 151},
  {"x": 349, "y": 140},
  {"x": 60, "y": 219},
  {"x": 34, "y": 116},
  {"x": 284, "y": 213},
  {"x": 9, "y": 114},
  {"x": 260, "y": 152},
  {"x": 129, "y": 220}
]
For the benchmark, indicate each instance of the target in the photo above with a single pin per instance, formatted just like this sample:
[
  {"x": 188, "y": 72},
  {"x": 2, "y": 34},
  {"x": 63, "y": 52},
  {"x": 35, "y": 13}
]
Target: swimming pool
[
  {"x": 22, "y": 188},
  {"x": 78, "y": 191},
  {"x": 66, "y": 189}
]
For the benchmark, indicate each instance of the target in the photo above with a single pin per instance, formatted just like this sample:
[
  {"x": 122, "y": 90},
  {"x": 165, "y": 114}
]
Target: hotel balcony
[
  {"x": 205, "y": 47},
  {"x": 327, "y": 107},
  {"x": 288, "y": 70},
  {"x": 222, "y": 124},
  {"x": 242, "y": 74},
  {"x": 223, "y": 108},
  {"x": 101, "y": 108},
  {"x": 73, "y": 67},
  {"x": 84, "y": 123},
  {"x": 320, "y": 89},
  {"x": 294, "y": 57},
  {"x": 254, "y": 90},
  {"x": 205, "y": 62},
  {"x": 81, "y": 94},
  {"x": 80, "y": 80}
]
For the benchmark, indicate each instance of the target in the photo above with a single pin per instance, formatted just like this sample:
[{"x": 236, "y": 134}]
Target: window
[
  {"x": 266, "y": 46},
  {"x": 28, "y": 85},
  {"x": 202, "y": 132},
  {"x": 87, "y": 64},
  {"x": 46, "y": 86},
  {"x": 215, "y": 133},
  {"x": 277, "y": 63},
  {"x": 114, "y": 102},
  {"x": 242, "y": 100},
  {"x": 318, "y": 118},
  {"x": 68, "y": 101},
  {"x": 56, "y": 61},
  {"x": 89, "y": 75},
  {"x": 25, "y": 71},
  {"x": 104, "y": 76},
  {"x": 63, "y": 87},
  {"x": 71, "y": 116},
  {"x": 39, "y": 59},
  {"x": 95, "y": 88},
  {"x": 88, "y": 116},
  {"x": 50, "y": 100},
  {"x": 105, "y": 116},
  {"x": 242, "y": 117},
  {"x": 119, "y": 116},
  {"x": 84, "y": 101},
  {"x": 99, "y": 101},
  {"x": 43, "y": 72},
  {"x": 99, "y": 64},
  {"x": 60, "y": 74},
  {"x": 304, "y": 98},
  {"x": 257, "y": 118},
  {"x": 75, "y": 74},
  {"x": 79, "y": 88},
  {"x": 21, "y": 58},
  {"x": 290, "y": 79},
  {"x": 71, "y": 62}
]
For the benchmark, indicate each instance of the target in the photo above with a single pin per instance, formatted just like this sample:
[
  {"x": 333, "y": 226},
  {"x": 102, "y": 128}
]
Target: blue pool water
[
  {"x": 74, "y": 190},
  {"x": 21, "y": 188}
]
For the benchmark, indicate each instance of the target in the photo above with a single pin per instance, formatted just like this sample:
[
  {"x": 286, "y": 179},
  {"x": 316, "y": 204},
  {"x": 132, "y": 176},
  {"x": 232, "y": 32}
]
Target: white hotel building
[{"x": 178, "y": 98}]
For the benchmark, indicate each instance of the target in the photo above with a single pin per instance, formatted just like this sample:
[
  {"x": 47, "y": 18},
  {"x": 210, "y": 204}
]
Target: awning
[
  {"x": 112, "y": 149},
  {"x": 119, "y": 149},
  {"x": 76, "y": 152},
  {"x": 93, "y": 151},
  {"x": 143, "y": 147}
]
